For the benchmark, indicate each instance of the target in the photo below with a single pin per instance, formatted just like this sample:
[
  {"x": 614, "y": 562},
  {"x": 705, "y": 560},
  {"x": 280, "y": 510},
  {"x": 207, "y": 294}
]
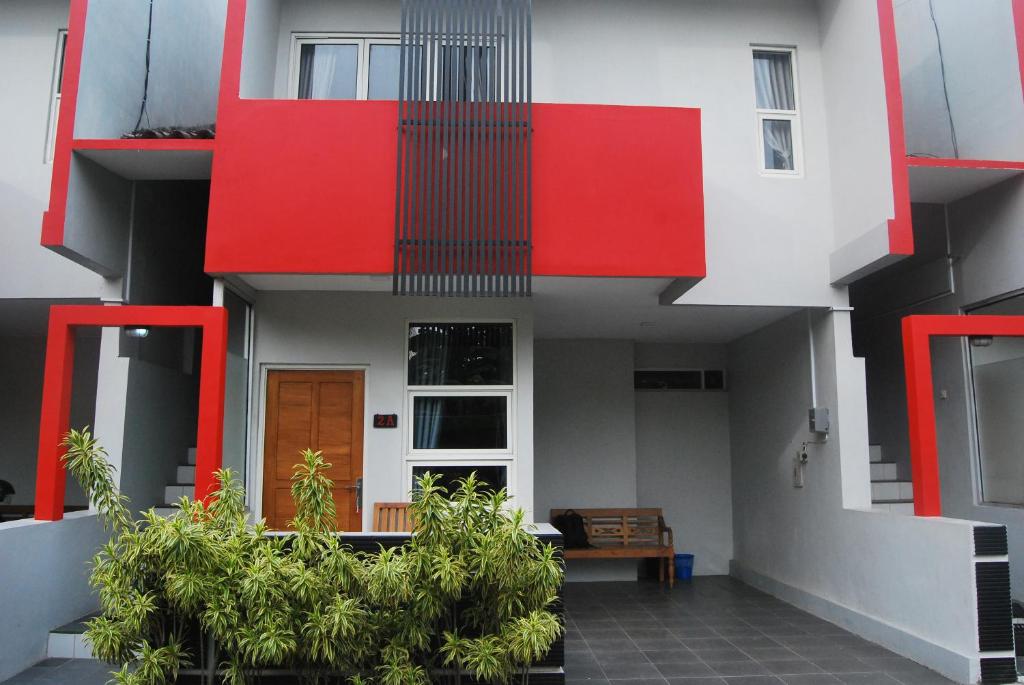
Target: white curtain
[
  {"x": 773, "y": 81},
  {"x": 778, "y": 139}
]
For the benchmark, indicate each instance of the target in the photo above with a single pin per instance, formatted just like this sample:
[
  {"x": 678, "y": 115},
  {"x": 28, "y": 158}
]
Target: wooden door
[{"x": 319, "y": 410}]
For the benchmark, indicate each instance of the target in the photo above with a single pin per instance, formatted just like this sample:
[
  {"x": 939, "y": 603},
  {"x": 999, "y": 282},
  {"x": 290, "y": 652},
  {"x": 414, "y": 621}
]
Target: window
[
  {"x": 461, "y": 400},
  {"x": 336, "y": 67},
  {"x": 778, "y": 123},
  {"x": 55, "y": 89},
  {"x": 997, "y": 379},
  {"x": 493, "y": 477}
]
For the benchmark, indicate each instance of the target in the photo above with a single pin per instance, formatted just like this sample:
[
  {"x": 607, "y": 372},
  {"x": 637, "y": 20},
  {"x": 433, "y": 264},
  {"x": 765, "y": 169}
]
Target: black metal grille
[
  {"x": 999, "y": 670},
  {"x": 995, "y": 619},
  {"x": 463, "y": 200},
  {"x": 989, "y": 541}
]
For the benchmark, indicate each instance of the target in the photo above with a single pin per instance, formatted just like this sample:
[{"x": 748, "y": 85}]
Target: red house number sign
[{"x": 385, "y": 420}]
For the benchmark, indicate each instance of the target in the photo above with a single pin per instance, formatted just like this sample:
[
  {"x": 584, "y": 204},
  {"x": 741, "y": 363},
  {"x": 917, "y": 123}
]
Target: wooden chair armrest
[{"x": 666, "y": 530}]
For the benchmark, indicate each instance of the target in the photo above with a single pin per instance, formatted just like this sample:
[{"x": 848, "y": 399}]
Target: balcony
[
  {"x": 137, "y": 75},
  {"x": 960, "y": 74},
  {"x": 617, "y": 190}
]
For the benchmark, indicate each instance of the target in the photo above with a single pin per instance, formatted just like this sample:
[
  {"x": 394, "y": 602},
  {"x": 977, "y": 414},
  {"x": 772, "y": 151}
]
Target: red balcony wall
[{"x": 309, "y": 187}]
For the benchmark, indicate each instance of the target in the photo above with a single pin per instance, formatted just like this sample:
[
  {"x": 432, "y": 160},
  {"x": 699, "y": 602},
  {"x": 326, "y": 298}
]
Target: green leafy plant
[{"x": 207, "y": 593}]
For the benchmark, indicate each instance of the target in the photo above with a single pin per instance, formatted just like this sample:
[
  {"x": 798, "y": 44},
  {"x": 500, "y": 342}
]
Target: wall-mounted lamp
[
  {"x": 980, "y": 340},
  {"x": 136, "y": 331}
]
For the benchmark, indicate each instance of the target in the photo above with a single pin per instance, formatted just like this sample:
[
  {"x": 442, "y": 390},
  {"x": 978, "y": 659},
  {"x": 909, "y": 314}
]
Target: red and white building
[{"x": 603, "y": 253}]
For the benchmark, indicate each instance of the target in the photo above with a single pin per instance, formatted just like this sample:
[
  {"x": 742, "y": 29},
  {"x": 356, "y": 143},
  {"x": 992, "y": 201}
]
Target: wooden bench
[
  {"x": 626, "y": 534},
  {"x": 391, "y": 517}
]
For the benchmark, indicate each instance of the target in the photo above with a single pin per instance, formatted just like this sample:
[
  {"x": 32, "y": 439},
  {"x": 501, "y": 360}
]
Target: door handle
[{"x": 358, "y": 487}]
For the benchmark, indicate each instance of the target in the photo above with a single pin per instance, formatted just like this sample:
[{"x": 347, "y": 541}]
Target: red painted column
[
  {"x": 55, "y": 417},
  {"x": 210, "y": 437},
  {"x": 924, "y": 451}
]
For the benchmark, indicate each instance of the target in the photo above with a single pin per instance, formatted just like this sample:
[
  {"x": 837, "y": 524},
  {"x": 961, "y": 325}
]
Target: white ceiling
[
  {"x": 564, "y": 307},
  {"x": 948, "y": 184},
  {"x": 627, "y": 308}
]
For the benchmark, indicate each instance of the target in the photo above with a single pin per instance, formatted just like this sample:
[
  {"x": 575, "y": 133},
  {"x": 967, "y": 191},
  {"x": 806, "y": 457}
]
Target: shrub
[{"x": 469, "y": 593}]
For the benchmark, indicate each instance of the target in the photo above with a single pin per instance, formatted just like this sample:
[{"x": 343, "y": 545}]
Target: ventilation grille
[
  {"x": 995, "y": 620},
  {"x": 1002, "y": 670},
  {"x": 463, "y": 200},
  {"x": 989, "y": 541},
  {"x": 679, "y": 379}
]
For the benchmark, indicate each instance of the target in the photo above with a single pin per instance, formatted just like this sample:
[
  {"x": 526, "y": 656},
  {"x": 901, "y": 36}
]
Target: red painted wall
[{"x": 309, "y": 187}]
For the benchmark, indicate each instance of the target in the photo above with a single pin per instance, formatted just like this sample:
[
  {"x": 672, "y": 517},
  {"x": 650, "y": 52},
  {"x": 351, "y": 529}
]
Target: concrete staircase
[
  {"x": 68, "y": 642},
  {"x": 888, "y": 493},
  {"x": 184, "y": 484}
]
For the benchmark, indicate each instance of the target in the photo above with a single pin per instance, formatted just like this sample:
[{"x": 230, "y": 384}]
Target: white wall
[
  {"x": 585, "y": 434},
  {"x": 259, "y": 51},
  {"x": 185, "y": 55},
  {"x": 43, "y": 583},
  {"x": 980, "y": 67},
  {"x": 28, "y": 47},
  {"x": 600, "y": 443},
  {"x": 368, "y": 330},
  {"x": 860, "y": 568},
  {"x": 683, "y": 466},
  {"x": 858, "y": 132}
]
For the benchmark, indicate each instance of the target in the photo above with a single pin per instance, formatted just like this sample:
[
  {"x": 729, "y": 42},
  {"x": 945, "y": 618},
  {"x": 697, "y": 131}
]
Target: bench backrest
[
  {"x": 609, "y": 527},
  {"x": 391, "y": 517}
]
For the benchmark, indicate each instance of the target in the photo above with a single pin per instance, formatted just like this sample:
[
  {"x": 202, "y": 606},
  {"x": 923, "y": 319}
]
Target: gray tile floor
[
  {"x": 711, "y": 631},
  {"x": 64, "y": 672},
  {"x": 715, "y": 631}
]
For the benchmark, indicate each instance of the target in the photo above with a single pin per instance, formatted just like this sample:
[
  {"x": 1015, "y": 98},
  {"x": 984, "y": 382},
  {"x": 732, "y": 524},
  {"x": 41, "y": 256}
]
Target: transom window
[
  {"x": 778, "y": 122},
  {"x": 339, "y": 67}
]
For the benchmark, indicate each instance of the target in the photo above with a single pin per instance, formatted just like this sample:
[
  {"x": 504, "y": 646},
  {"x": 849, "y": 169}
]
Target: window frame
[
  {"x": 507, "y": 462},
  {"x": 56, "y": 89},
  {"x": 793, "y": 116},
  {"x": 455, "y": 457},
  {"x": 461, "y": 391},
  {"x": 364, "y": 42}
]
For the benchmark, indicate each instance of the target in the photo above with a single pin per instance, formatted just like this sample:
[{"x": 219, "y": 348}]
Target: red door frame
[
  {"x": 55, "y": 417},
  {"x": 918, "y": 331}
]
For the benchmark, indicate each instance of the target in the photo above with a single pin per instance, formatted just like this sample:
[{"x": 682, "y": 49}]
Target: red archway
[{"x": 60, "y": 353}]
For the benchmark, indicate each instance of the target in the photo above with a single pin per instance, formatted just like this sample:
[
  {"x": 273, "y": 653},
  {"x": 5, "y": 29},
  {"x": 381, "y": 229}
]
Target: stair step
[
  {"x": 172, "y": 493},
  {"x": 191, "y": 459},
  {"x": 897, "y": 507},
  {"x": 875, "y": 453},
  {"x": 68, "y": 641},
  {"x": 881, "y": 470},
  {"x": 186, "y": 474},
  {"x": 892, "y": 490}
]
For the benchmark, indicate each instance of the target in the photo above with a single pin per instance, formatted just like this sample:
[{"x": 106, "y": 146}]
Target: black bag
[{"x": 574, "y": 533}]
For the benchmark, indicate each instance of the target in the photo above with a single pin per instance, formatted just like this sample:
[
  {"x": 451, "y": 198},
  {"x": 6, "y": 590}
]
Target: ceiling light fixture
[{"x": 136, "y": 331}]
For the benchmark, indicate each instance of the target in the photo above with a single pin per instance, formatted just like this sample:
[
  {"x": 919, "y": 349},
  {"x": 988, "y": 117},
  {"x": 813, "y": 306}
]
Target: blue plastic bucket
[{"x": 684, "y": 566}]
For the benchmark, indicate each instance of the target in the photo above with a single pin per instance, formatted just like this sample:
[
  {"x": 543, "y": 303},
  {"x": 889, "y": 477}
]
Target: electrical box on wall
[{"x": 818, "y": 419}]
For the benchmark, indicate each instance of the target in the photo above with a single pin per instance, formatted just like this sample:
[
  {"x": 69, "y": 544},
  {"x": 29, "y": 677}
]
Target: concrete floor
[{"x": 711, "y": 631}]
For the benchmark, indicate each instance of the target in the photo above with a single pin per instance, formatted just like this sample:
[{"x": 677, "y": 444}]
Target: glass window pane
[
  {"x": 773, "y": 80},
  {"x": 493, "y": 477},
  {"x": 476, "y": 422},
  {"x": 383, "y": 76},
  {"x": 328, "y": 72},
  {"x": 460, "y": 354},
  {"x": 997, "y": 372},
  {"x": 778, "y": 144}
]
